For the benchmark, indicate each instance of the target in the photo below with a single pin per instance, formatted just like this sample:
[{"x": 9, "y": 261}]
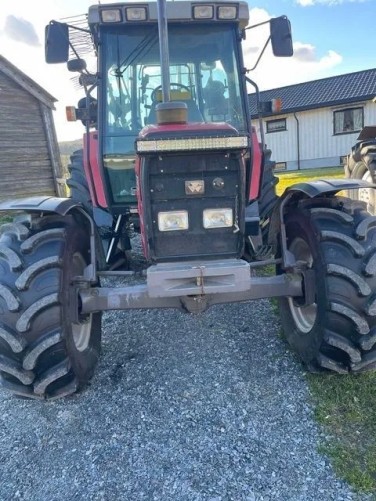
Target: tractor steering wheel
[{"x": 153, "y": 95}]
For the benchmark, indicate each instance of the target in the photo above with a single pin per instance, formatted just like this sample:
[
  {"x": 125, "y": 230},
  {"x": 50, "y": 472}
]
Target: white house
[{"x": 319, "y": 121}]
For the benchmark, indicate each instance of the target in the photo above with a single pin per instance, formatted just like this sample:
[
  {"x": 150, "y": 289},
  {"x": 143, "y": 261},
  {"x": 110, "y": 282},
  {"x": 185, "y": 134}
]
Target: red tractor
[{"x": 169, "y": 151}]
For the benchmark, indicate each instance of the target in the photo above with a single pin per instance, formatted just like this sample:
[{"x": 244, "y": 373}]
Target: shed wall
[{"x": 25, "y": 165}]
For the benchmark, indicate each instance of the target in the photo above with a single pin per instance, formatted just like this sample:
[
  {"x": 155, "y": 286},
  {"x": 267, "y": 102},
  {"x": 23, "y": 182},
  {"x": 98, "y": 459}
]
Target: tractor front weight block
[{"x": 138, "y": 297}]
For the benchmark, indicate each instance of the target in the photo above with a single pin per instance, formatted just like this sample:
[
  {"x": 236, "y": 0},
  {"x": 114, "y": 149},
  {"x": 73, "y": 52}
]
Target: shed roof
[
  {"x": 341, "y": 89},
  {"x": 26, "y": 82}
]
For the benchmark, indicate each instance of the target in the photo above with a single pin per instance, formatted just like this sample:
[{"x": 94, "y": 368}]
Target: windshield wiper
[{"x": 142, "y": 48}]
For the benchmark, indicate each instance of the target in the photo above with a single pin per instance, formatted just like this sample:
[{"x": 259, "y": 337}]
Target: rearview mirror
[
  {"x": 280, "y": 34},
  {"x": 56, "y": 42}
]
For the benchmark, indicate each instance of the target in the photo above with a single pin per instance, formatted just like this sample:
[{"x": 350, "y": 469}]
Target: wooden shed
[{"x": 29, "y": 152}]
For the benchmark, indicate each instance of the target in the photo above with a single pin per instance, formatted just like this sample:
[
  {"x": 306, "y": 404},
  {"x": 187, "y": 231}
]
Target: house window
[
  {"x": 280, "y": 166},
  {"x": 350, "y": 120},
  {"x": 276, "y": 125}
]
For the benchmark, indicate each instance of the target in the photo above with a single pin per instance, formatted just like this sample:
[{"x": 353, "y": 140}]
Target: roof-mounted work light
[
  {"x": 203, "y": 12},
  {"x": 111, "y": 16},
  {"x": 136, "y": 13},
  {"x": 227, "y": 12},
  {"x": 187, "y": 144}
]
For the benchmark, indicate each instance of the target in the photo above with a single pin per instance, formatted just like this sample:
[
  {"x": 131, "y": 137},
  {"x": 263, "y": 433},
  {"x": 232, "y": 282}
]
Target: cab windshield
[{"x": 203, "y": 74}]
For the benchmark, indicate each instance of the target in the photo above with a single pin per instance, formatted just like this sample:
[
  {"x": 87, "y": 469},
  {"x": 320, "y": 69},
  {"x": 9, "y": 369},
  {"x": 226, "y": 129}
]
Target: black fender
[
  {"x": 295, "y": 193},
  {"x": 326, "y": 186},
  {"x": 46, "y": 204},
  {"x": 62, "y": 207}
]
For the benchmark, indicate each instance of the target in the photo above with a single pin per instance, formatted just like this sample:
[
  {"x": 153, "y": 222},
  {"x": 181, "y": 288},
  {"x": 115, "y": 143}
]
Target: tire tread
[
  {"x": 35, "y": 354},
  {"x": 343, "y": 336},
  {"x": 50, "y": 376}
]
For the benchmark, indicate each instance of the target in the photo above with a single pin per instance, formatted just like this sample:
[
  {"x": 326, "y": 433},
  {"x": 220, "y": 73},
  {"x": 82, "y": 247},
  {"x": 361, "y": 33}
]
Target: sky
[{"x": 331, "y": 37}]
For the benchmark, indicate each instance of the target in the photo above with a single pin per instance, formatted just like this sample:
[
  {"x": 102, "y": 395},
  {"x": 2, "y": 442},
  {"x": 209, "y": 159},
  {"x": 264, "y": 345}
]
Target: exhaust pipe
[
  {"x": 163, "y": 50},
  {"x": 167, "y": 111}
]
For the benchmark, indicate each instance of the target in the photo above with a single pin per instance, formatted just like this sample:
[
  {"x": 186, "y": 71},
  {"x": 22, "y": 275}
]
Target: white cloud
[
  {"x": 308, "y": 3},
  {"x": 331, "y": 59},
  {"x": 306, "y": 53},
  {"x": 20, "y": 30},
  {"x": 306, "y": 64}
]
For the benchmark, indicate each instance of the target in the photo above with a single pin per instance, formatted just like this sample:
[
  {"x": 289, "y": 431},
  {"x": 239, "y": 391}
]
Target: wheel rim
[
  {"x": 304, "y": 316},
  {"x": 367, "y": 194},
  {"x": 81, "y": 332}
]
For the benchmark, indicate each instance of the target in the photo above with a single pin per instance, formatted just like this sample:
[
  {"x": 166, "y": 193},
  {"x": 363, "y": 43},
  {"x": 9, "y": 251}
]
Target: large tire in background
[
  {"x": 337, "y": 238},
  {"x": 43, "y": 354},
  {"x": 78, "y": 185},
  {"x": 268, "y": 197},
  {"x": 79, "y": 192},
  {"x": 361, "y": 164}
]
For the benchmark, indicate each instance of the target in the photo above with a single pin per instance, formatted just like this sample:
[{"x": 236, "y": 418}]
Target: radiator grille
[{"x": 164, "y": 179}]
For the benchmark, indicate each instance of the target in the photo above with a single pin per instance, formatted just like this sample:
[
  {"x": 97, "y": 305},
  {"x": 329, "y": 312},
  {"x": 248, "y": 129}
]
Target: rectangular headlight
[
  {"x": 111, "y": 16},
  {"x": 135, "y": 13},
  {"x": 203, "y": 12},
  {"x": 217, "y": 218},
  {"x": 197, "y": 143},
  {"x": 173, "y": 220},
  {"x": 227, "y": 12}
]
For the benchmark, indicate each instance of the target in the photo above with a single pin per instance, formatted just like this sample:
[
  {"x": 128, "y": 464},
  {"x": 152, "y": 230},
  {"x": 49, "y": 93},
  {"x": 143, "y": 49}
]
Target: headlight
[
  {"x": 135, "y": 13},
  {"x": 203, "y": 11},
  {"x": 173, "y": 220},
  {"x": 217, "y": 218},
  {"x": 227, "y": 12},
  {"x": 111, "y": 16}
]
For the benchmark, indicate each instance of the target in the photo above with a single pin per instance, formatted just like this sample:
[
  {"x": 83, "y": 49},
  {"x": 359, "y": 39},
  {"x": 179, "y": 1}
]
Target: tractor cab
[
  {"x": 205, "y": 73},
  {"x": 205, "y": 68}
]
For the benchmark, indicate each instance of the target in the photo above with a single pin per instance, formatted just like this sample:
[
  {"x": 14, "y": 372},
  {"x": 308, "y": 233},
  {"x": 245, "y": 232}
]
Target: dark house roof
[{"x": 342, "y": 89}]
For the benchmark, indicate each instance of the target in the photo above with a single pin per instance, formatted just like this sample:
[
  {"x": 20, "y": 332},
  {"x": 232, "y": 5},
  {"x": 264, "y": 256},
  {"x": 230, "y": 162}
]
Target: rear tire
[
  {"x": 268, "y": 197},
  {"x": 43, "y": 354},
  {"x": 337, "y": 239},
  {"x": 366, "y": 195},
  {"x": 361, "y": 164},
  {"x": 78, "y": 185},
  {"x": 79, "y": 192}
]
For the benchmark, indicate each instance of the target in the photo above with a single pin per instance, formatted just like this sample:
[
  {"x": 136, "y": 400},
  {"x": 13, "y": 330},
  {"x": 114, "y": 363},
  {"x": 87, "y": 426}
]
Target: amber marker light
[{"x": 70, "y": 112}]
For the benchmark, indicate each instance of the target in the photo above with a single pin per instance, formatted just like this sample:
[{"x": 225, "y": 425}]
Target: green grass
[
  {"x": 345, "y": 406},
  {"x": 286, "y": 179},
  {"x": 5, "y": 219}
]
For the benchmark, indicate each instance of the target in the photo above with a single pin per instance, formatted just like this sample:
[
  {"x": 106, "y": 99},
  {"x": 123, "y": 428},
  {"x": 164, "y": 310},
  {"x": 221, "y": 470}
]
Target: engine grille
[{"x": 164, "y": 181}]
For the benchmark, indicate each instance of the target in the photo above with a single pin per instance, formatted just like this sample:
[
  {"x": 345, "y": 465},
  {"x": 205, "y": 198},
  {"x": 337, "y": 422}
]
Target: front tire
[
  {"x": 337, "y": 239},
  {"x": 43, "y": 353}
]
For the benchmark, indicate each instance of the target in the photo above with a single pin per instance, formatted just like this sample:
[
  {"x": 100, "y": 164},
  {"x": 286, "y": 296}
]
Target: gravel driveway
[{"x": 208, "y": 407}]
